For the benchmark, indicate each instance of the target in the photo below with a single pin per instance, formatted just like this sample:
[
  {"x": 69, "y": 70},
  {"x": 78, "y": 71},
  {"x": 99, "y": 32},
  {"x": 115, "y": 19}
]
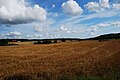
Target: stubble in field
[{"x": 69, "y": 60}]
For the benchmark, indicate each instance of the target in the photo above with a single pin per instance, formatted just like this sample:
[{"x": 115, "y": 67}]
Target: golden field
[{"x": 61, "y": 61}]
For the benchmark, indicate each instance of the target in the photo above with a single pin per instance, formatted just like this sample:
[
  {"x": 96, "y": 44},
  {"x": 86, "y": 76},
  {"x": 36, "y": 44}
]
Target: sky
[{"x": 42, "y": 19}]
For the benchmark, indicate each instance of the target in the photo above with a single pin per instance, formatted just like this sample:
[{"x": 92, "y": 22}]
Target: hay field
[
  {"x": 21, "y": 43},
  {"x": 84, "y": 60}
]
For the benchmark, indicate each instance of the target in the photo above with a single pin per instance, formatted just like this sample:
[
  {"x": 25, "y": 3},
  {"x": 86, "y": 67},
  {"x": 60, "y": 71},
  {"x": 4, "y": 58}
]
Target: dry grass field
[
  {"x": 83, "y": 60},
  {"x": 21, "y": 43}
]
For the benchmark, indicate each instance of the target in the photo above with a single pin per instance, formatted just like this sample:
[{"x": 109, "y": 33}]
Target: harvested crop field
[{"x": 83, "y": 60}]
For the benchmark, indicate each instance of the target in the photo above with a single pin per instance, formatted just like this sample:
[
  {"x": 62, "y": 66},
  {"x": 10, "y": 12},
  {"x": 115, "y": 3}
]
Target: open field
[
  {"x": 21, "y": 43},
  {"x": 82, "y": 60}
]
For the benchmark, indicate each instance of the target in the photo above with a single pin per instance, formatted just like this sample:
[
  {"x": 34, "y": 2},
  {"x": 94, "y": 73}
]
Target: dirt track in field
[{"x": 52, "y": 61}]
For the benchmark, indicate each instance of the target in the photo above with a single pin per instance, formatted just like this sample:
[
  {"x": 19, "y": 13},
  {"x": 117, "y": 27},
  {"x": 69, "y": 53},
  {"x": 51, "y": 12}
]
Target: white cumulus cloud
[
  {"x": 96, "y": 7},
  {"x": 93, "y": 6},
  {"x": 104, "y": 3},
  {"x": 18, "y": 12},
  {"x": 67, "y": 29},
  {"x": 71, "y": 7},
  {"x": 14, "y": 34},
  {"x": 62, "y": 28}
]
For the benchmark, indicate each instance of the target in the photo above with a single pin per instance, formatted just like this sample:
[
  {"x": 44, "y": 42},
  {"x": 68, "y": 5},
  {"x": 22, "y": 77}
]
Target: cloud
[
  {"x": 93, "y": 29},
  {"x": 62, "y": 28},
  {"x": 96, "y": 28},
  {"x": 34, "y": 36},
  {"x": 104, "y": 3},
  {"x": 14, "y": 34},
  {"x": 53, "y": 14},
  {"x": 116, "y": 6},
  {"x": 19, "y": 12},
  {"x": 38, "y": 28},
  {"x": 100, "y": 13},
  {"x": 67, "y": 29},
  {"x": 71, "y": 7},
  {"x": 116, "y": 1},
  {"x": 103, "y": 25},
  {"x": 96, "y": 7},
  {"x": 93, "y": 6},
  {"x": 93, "y": 34},
  {"x": 54, "y": 36},
  {"x": 53, "y": 6},
  {"x": 37, "y": 35},
  {"x": 115, "y": 24},
  {"x": 112, "y": 24}
]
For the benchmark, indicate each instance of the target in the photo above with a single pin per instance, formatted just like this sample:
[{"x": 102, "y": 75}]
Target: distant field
[
  {"x": 21, "y": 43},
  {"x": 82, "y": 60}
]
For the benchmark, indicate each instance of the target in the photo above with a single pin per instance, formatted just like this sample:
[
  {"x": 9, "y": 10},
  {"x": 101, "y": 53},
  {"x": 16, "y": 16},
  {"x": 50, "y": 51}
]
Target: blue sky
[{"x": 58, "y": 18}]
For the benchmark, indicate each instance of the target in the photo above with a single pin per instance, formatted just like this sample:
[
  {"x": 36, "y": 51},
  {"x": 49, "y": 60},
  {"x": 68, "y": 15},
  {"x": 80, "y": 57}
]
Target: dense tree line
[
  {"x": 107, "y": 37},
  {"x": 4, "y": 42}
]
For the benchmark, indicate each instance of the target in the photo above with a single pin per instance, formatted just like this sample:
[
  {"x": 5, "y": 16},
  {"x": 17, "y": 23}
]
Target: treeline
[
  {"x": 106, "y": 37},
  {"x": 4, "y": 42},
  {"x": 50, "y": 41}
]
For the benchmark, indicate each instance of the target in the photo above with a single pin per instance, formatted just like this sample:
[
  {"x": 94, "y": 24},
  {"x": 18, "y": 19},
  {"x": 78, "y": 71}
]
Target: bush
[{"x": 4, "y": 42}]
